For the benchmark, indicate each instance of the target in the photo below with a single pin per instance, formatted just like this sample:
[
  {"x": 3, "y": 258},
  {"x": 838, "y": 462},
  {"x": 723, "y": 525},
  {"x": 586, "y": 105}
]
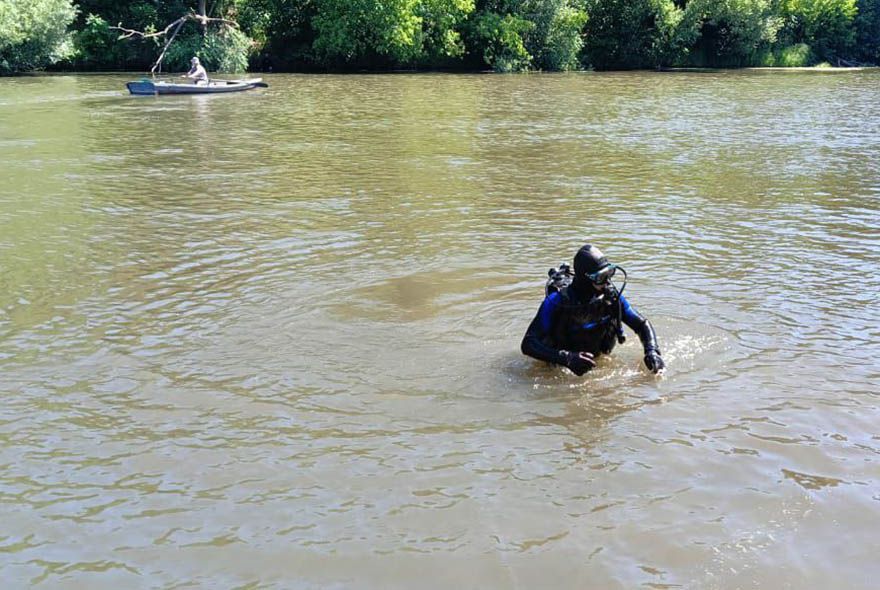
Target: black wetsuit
[{"x": 583, "y": 320}]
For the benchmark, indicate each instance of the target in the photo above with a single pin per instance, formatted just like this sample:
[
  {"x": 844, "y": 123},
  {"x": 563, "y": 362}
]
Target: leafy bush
[
  {"x": 564, "y": 40},
  {"x": 442, "y": 21},
  {"x": 93, "y": 41},
  {"x": 98, "y": 47},
  {"x": 283, "y": 31},
  {"x": 555, "y": 41},
  {"x": 354, "y": 31},
  {"x": 501, "y": 37},
  {"x": 226, "y": 50},
  {"x": 33, "y": 33},
  {"x": 867, "y": 25},
  {"x": 826, "y": 24},
  {"x": 627, "y": 34},
  {"x": 788, "y": 56},
  {"x": 793, "y": 56},
  {"x": 735, "y": 32},
  {"x": 676, "y": 30}
]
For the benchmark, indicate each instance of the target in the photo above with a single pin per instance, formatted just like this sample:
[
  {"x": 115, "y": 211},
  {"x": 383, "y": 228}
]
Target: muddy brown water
[{"x": 271, "y": 339}]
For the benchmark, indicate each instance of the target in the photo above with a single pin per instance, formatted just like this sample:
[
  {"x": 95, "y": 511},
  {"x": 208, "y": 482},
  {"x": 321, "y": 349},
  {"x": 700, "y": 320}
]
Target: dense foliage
[
  {"x": 503, "y": 35},
  {"x": 867, "y": 45},
  {"x": 33, "y": 33},
  {"x": 223, "y": 48}
]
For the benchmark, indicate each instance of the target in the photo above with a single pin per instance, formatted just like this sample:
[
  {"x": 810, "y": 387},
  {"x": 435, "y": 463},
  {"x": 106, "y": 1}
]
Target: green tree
[
  {"x": 624, "y": 34},
  {"x": 501, "y": 39},
  {"x": 98, "y": 46},
  {"x": 555, "y": 41},
  {"x": 517, "y": 35},
  {"x": 366, "y": 32},
  {"x": 677, "y": 29},
  {"x": 224, "y": 50},
  {"x": 442, "y": 22},
  {"x": 33, "y": 33},
  {"x": 283, "y": 31},
  {"x": 827, "y": 26},
  {"x": 867, "y": 25},
  {"x": 732, "y": 32}
]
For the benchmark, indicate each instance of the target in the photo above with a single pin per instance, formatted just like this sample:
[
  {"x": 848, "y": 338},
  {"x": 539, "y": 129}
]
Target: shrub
[
  {"x": 637, "y": 33},
  {"x": 501, "y": 37},
  {"x": 33, "y": 33},
  {"x": 226, "y": 50},
  {"x": 793, "y": 56},
  {"x": 441, "y": 24},
  {"x": 827, "y": 25},
  {"x": 867, "y": 25},
  {"x": 366, "y": 32},
  {"x": 556, "y": 39},
  {"x": 733, "y": 33}
]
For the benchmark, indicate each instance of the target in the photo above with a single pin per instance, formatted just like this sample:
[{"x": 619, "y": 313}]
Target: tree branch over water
[
  {"x": 191, "y": 16},
  {"x": 173, "y": 28}
]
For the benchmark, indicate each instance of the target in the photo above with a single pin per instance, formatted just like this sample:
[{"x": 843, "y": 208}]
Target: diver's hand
[
  {"x": 654, "y": 362},
  {"x": 579, "y": 362}
]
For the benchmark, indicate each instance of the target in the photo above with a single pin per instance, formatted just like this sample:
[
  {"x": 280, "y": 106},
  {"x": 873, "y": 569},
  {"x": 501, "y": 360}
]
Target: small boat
[{"x": 153, "y": 87}]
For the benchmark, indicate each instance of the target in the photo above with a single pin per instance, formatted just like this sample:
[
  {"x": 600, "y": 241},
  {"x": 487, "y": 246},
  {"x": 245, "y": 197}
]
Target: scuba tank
[{"x": 558, "y": 279}]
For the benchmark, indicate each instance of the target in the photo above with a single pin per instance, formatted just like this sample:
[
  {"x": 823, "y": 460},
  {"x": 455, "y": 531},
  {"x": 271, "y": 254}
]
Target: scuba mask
[
  {"x": 563, "y": 277},
  {"x": 603, "y": 275},
  {"x": 590, "y": 265}
]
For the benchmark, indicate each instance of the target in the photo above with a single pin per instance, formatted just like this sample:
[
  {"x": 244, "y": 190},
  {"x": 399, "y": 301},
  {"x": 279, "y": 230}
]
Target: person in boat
[
  {"x": 197, "y": 72},
  {"x": 582, "y": 316}
]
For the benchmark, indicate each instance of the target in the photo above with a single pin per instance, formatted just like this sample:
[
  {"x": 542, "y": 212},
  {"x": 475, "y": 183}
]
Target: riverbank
[
  {"x": 834, "y": 69},
  {"x": 828, "y": 69}
]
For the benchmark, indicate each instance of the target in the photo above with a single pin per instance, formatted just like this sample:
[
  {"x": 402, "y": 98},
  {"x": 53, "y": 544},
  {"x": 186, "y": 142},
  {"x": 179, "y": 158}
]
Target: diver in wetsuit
[{"x": 583, "y": 317}]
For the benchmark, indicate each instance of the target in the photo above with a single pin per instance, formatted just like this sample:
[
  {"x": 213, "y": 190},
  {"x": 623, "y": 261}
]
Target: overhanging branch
[
  {"x": 173, "y": 28},
  {"x": 203, "y": 20}
]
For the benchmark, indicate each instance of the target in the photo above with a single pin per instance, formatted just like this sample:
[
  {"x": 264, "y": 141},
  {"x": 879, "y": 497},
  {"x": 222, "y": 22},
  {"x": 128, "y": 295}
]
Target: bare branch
[
  {"x": 158, "y": 64},
  {"x": 170, "y": 32},
  {"x": 129, "y": 33},
  {"x": 203, "y": 20}
]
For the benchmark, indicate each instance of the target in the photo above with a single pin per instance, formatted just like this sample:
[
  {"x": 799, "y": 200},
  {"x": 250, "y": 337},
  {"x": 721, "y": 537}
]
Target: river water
[{"x": 271, "y": 339}]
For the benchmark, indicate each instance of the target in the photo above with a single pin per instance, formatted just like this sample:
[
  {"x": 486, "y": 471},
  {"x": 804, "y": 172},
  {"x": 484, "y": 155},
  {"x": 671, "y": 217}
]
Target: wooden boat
[{"x": 154, "y": 87}]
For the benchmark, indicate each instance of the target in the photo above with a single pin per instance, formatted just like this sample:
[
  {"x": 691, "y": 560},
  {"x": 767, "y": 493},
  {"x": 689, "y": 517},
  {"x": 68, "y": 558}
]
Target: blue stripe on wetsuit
[
  {"x": 629, "y": 314},
  {"x": 591, "y": 325},
  {"x": 630, "y": 317},
  {"x": 548, "y": 310}
]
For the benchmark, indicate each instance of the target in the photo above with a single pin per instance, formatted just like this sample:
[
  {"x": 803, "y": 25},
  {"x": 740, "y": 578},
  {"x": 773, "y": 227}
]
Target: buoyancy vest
[{"x": 588, "y": 326}]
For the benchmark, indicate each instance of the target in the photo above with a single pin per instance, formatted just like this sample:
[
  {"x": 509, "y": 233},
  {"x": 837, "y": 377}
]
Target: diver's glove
[
  {"x": 578, "y": 362},
  {"x": 654, "y": 362}
]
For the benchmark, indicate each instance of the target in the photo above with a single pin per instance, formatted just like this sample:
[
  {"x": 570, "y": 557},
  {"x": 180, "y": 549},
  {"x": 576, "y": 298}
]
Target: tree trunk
[{"x": 203, "y": 12}]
